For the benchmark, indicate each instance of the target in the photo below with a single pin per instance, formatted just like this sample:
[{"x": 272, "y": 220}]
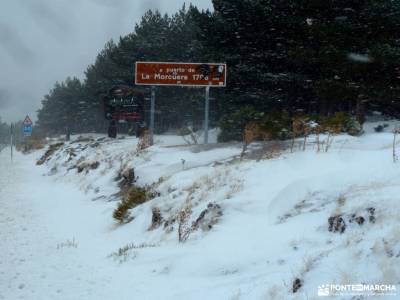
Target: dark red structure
[{"x": 125, "y": 104}]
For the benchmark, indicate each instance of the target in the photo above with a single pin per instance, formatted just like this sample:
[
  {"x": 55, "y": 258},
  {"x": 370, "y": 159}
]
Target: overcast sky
[{"x": 44, "y": 41}]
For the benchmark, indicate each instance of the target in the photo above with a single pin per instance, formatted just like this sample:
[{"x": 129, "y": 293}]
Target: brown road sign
[{"x": 181, "y": 74}]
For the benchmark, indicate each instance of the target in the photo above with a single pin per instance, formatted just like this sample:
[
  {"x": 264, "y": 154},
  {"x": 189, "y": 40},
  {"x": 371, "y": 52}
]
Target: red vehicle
[{"x": 124, "y": 104}]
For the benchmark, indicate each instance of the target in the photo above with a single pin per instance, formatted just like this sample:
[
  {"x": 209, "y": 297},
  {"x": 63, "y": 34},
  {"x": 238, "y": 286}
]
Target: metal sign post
[
  {"x": 181, "y": 74},
  {"x": 11, "y": 140},
  {"x": 152, "y": 108},
  {"x": 206, "y": 110}
]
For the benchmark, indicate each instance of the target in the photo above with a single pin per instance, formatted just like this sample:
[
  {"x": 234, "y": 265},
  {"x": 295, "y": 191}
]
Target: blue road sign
[{"x": 28, "y": 129}]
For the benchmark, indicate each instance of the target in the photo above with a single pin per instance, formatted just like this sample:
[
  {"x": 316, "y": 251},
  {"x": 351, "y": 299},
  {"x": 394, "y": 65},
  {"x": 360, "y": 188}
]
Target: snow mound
[{"x": 224, "y": 228}]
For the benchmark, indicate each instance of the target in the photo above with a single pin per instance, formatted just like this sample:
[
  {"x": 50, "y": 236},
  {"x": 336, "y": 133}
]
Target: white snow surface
[{"x": 59, "y": 240}]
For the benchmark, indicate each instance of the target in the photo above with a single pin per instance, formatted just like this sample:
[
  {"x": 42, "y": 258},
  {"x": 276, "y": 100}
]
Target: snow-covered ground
[{"x": 252, "y": 227}]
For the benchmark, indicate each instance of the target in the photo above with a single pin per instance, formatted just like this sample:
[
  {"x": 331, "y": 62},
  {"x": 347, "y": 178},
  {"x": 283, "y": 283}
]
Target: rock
[
  {"x": 208, "y": 217},
  {"x": 88, "y": 166},
  {"x": 129, "y": 175},
  {"x": 156, "y": 218},
  {"x": 360, "y": 220},
  {"x": 337, "y": 224},
  {"x": 297, "y": 284}
]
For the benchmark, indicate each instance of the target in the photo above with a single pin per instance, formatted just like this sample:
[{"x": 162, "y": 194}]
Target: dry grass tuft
[
  {"x": 252, "y": 132},
  {"x": 68, "y": 244},
  {"x": 135, "y": 196},
  {"x": 145, "y": 141},
  {"x": 184, "y": 229},
  {"x": 126, "y": 252},
  {"x": 52, "y": 149},
  {"x": 30, "y": 144}
]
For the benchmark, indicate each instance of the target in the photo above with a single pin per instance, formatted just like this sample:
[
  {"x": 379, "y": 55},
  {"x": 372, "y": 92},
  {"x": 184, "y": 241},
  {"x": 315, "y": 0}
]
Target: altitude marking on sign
[{"x": 181, "y": 74}]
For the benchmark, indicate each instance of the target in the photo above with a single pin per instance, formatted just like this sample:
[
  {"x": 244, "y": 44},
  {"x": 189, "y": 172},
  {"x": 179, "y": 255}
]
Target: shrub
[
  {"x": 68, "y": 244},
  {"x": 280, "y": 125},
  {"x": 30, "y": 144},
  {"x": 145, "y": 141},
  {"x": 252, "y": 132},
  {"x": 135, "y": 196},
  {"x": 126, "y": 252},
  {"x": 184, "y": 229},
  {"x": 52, "y": 149},
  {"x": 125, "y": 178},
  {"x": 342, "y": 122},
  {"x": 188, "y": 135},
  {"x": 303, "y": 126},
  {"x": 353, "y": 127},
  {"x": 336, "y": 123},
  {"x": 277, "y": 124},
  {"x": 232, "y": 125}
]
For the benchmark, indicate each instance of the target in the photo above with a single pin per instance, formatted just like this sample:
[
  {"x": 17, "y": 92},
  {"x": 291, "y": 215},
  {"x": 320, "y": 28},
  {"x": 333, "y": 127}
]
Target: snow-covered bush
[
  {"x": 46, "y": 156},
  {"x": 135, "y": 196},
  {"x": 277, "y": 124},
  {"x": 342, "y": 122},
  {"x": 353, "y": 127}
]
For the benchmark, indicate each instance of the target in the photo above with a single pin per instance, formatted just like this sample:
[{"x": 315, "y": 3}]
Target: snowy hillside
[{"x": 275, "y": 225}]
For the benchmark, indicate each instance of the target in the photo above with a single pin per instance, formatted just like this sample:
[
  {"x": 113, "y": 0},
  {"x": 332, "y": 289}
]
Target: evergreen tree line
[
  {"x": 5, "y": 133},
  {"x": 316, "y": 57}
]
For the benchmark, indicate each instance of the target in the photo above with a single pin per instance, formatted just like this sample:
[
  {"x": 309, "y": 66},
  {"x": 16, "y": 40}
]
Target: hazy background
[{"x": 44, "y": 41}]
